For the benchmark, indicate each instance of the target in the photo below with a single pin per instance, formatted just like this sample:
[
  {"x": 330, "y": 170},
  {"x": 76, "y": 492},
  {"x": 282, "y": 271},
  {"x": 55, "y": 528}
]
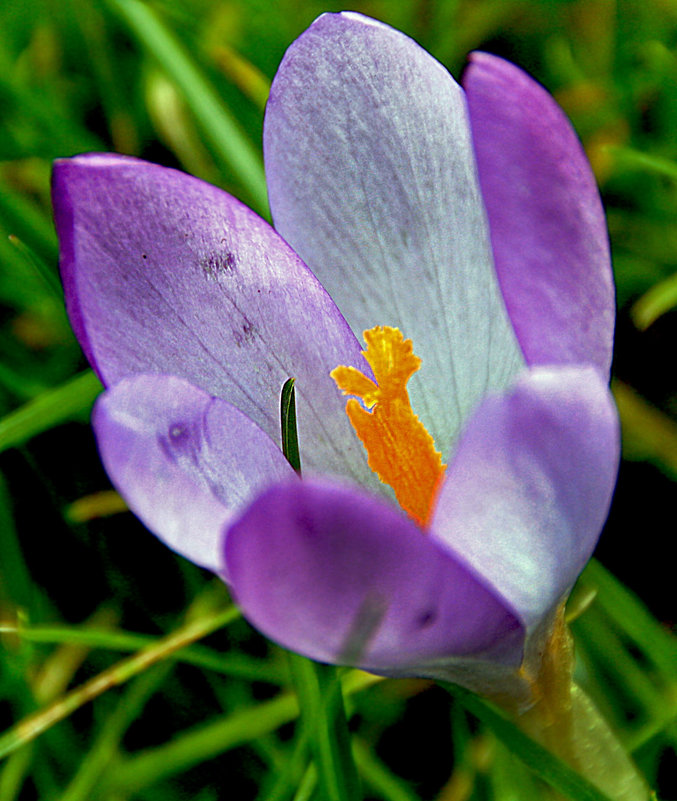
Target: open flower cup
[{"x": 459, "y": 233}]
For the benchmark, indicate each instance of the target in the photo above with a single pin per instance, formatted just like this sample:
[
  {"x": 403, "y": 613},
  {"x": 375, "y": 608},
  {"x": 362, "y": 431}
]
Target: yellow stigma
[{"x": 401, "y": 452}]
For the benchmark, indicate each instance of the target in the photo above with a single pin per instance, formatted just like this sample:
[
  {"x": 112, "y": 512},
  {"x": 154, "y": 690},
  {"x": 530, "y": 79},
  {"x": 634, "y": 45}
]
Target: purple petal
[
  {"x": 529, "y": 487},
  {"x": 342, "y": 577},
  {"x": 166, "y": 274},
  {"x": 185, "y": 462},
  {"x": 547, "y": 223},
  {"x": 372, "y": 180}
]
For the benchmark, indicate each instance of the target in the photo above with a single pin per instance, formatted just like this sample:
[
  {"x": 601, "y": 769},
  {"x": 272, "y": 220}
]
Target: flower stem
[{"x": 566, "y": 722}]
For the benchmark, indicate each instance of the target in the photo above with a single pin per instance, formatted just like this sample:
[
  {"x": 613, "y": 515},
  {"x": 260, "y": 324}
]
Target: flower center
[{"x": 401, "y": 452}]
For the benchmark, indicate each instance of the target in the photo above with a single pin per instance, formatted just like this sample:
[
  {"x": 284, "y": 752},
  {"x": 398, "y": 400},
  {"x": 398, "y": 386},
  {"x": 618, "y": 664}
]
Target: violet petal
[
  {"x": 528, "y": 489},
  {"x": 372, "y": 180},
  {"x": 166, "y": 274},
  {"x": 340, "y": 576},
  {"x": 185, "y": 462},
  {"x": 548, "y": 231}
]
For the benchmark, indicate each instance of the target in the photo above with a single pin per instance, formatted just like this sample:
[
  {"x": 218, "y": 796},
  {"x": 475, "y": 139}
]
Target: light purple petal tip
[
  {"x": 166, "y": 274},
  {"x": 372, "y": 180},
  {"x": 342, "y": 577},
  {"x": 528, "y": 490},
  {"x": 185, "y": 462},
  {"x": 547, "y": 224}
]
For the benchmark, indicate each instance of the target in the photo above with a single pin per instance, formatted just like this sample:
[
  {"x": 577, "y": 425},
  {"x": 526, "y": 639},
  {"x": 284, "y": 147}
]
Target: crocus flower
[{"x": 462, "y": 231}]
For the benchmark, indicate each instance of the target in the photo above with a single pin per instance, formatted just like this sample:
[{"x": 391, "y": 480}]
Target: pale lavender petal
[
  {"x": 166, "y": 274},
  {"x": 184, "y": 461},
  {"x": 372, "y": 180},
  {"x": 547, "y": 224},
  {"x": 339, "y": 576},
  {"x": 528, "y": 489}
]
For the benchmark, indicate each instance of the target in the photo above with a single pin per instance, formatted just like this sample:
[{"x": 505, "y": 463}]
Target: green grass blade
[
  {"x": 105, "y": 747},
  {"x": 620, "y": 668},
  {"x": 657, "y": 301},
  {"x": 217, "y": 737},
  {"x": 290, "y": 440},
  {"x": 69, "y": 401},
  {"x": 14, "y": 772},
  {"x": 51, "y": 128},
  {"x": 635, "y": 159},
  {"x": 227, "y": 664},
  {"x": 224, "y": 133},
  {"x": 306, "y": 788},
  {"x": 16, "y": 586},
  {"x": 375, "y": 774},
  {"x": 323, "y": 716},
  {"x": 282, "y": 783},
  {"x": 648, "y": 434},
  {"x": 632, "y": 616},
  {"x": 45, "y": 272},
  {"x": 201, "y": 744},
  {"x": 20, "y": 217},
  {"x": 31, "y": 727}
]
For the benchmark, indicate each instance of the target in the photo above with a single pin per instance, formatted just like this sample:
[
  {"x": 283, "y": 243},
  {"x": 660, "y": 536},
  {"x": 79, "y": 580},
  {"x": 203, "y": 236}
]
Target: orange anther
[{"x": 400, "y": 450}]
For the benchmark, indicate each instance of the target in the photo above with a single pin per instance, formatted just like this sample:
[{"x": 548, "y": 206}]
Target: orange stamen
[{"x": 401, "y": 452}]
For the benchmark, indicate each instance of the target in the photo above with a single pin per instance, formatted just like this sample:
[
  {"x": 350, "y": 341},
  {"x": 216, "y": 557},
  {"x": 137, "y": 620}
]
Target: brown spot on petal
[{"x": 219, "y": 265}]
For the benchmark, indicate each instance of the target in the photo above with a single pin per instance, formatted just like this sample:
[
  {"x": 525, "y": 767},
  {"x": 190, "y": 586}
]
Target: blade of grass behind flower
[
  {"x": 105, "y": 747},
  {"x": 648, "y": 433},
  {"x": 614, "y": 693},
  {"x": 35, "y": 263},
  {"x": 227, "y": 664},
  {"x": 14, "y": 772},
  {"x": 621, "y": 669},
  {"x": 122, "y": 126},
  {"x": 378, "y": 776},
  {"x": 323, "y": 715},
  {"x": 635, "y": 159},
  {"x": 225, "y": 135},
  {"x": 176, "y": 127},
  {"x": 69, "y": 401},
  {"x": 657, "y": 301},
  {"x": 199, "y": 744},
  {"x": 219, "y": 736},
  {"x": 620, "y": 612},
  {"x": 31, "y": 727},
  {"x": 307, "y": 785},
  {"x": 16, "y": 586},
  {"x": 214, "y": 738},
  {"x": 289, "y": 775},
  {"x": 632, "y": 616},
  {"x": 248, "y": 78},
  {"x": 49, "y": 129},
  {"x": 26, "y": 221},
  {"x": 40, "y": 683}
]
